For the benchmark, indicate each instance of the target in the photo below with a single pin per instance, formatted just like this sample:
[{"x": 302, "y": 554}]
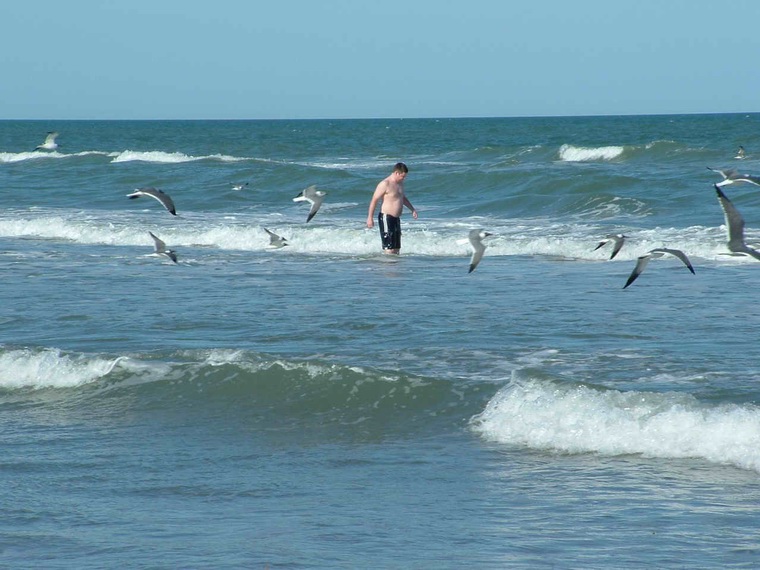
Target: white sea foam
[
  {"x": 8, "y": 157},
  {"x": 51, "y": 368},
  {"x": 440, "y": 238},
  {"x": 579, "y": 419},
  {"x": 159, "y": 156},
  {"x": 570, "y": 153}
]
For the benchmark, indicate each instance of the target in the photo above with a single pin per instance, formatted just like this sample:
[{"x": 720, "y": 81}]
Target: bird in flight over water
[
  {"x": 617, "y": 239},
  {"x": 160, "y": 248},
  {"x": 314, "y": 197},
  {"x": 734, "y": 226},
  {"x": 476, "y": 241},
  {"x": 159, "y": 195},
  {"x": 49, "y": 143},
  {"x": 642, "y": 261}
]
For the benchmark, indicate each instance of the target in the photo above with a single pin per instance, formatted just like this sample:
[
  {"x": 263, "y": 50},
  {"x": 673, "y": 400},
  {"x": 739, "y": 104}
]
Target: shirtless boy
[{"x": 391, "y": 192}]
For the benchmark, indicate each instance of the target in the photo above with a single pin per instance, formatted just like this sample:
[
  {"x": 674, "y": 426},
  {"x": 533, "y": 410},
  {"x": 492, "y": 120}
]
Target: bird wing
[
  {"x": 158, "y": 243},
  {"x": 314, "y": 209},
  {"x": 724, "y": 173},
  {"x": 641, "y": 263},
  {"x": 477, "y": 255},
  {"x": 734, "y": 222},
  {"x": 159, "y": 195},
  {"x": 476, "y": 241},
  {"x": 677, "y": 253},
  {"x": 618, "y": 244},
  {"x": 747, "y": 178},
  {"x": 274, "y": 239}
]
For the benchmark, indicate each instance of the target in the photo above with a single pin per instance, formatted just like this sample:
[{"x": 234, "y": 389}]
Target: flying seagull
[
  {"x": 161, "y": 248},
  {"x": 476, "y": 241},
  {"x": 731, "y": 176},
  {"x": 159, "y": 195},
  {"x": 653, "y": 254},
  {"x": 740, "y": 154},
  {"x": 618, "y": 240},
  {"x": 275, "y": 240},
  {"x": 49, "y": 143},
  {"x": 239, "y": 186},
  {"x": 314, "y": 197},
  {"x": 734, "y": 226}
]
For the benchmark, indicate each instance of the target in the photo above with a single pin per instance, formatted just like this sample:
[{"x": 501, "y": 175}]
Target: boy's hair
[{"x": 400, "y": 167}]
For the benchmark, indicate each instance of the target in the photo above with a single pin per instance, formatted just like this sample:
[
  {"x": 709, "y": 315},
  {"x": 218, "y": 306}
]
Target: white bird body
[
  {"x": 314, "y": 197},
  {"x": 476, "y": 241},
  {"x": 49, "y": 143}
]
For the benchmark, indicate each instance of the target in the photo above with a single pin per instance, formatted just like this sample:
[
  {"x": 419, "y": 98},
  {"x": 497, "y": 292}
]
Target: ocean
[{"x": 322, "y": 405}]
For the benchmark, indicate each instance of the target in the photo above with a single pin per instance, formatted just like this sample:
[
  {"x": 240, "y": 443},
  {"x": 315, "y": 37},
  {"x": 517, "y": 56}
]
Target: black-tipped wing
[
  {"x": 160, "y": 248},
  {"x": 476, "y": 241},
  {"x": 642, "y": 261},
  {"x": 159, "y": 195},
  {"x": 677, "y": 253},
  {"x": 314, "y": 197},
  {"x": 641, "y": 264},
  {"x": 617, "y": 240}
]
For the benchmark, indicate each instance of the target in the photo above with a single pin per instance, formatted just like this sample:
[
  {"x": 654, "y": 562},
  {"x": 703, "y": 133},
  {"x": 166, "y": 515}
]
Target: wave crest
[
  {"x": 51, "y": 368},
  {"x": 570, "y": 153},
  {"x": 159, "y": 156},
  {"x": 580, "y": 419}
]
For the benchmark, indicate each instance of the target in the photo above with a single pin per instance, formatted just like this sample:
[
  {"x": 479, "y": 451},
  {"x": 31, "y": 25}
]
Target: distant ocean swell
[{"x": 496, "y": 157}]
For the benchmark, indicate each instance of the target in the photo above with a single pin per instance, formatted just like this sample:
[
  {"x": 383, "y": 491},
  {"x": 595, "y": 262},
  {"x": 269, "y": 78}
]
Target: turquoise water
[{"x": 325, "y": 406}]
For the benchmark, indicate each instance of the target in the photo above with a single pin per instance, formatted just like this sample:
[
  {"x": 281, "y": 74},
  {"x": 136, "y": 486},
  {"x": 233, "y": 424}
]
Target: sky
[{"x": 332, "y": 59}]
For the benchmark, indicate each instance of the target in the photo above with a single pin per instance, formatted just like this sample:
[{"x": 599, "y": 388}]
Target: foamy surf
[
  {"x": 10, "y": 157},
  {"x": 570, "y": 153},
  {"x": 159, "y": 156},
  {"x": 51, "y": 368},
  {"x": 581, "y": 419}
]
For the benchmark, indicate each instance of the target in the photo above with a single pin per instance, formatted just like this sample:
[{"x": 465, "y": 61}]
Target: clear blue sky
[{"x": 256, "y": 59}]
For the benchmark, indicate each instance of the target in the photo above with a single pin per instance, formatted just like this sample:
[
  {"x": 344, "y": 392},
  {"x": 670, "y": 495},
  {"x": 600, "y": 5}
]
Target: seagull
[
  {"x": 239, "y": 186},
  {"x": 49, "y": 143},
  {"x": 731, "y": 176},
  {"x": 275, "y": 240},
  {"x": 158, "y": 195},
  {"x": 740, "y": 153},
  {"x": 476, "y": 241},
  {"x": 161, "y": 248},
  {"x": 618, "y": 239},
  {"x": 655, "y": 253},
  {"x": 314, "y": 196},
  {"x": 734, "y": 226}
]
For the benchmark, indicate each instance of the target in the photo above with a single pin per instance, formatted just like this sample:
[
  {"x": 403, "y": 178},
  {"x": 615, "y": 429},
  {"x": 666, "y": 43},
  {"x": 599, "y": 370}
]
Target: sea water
[{"x": 324, "y": 405}]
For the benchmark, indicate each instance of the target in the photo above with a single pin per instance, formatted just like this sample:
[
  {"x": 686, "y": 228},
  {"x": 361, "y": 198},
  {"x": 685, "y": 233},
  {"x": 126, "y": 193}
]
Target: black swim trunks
[{"x": 390, "y": 231}]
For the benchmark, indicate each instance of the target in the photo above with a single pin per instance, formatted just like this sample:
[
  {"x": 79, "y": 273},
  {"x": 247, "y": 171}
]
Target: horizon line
[{"x": 397, "y": 118}]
